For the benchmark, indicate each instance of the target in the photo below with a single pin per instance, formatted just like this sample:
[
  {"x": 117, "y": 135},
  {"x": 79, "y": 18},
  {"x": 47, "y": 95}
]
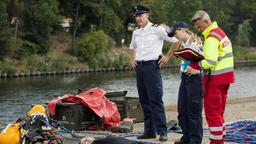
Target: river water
[{"x": 17, "y": 94}]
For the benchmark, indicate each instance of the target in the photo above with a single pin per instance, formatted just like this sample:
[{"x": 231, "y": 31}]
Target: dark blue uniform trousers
[
  {"x": 190, "y": 108},
  {"x": 149, "y": 84}
]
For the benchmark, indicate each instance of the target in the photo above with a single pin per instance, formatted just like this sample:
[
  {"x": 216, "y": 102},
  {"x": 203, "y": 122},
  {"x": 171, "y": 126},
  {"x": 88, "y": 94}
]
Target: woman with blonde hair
[{"x": 190, "y": 95}]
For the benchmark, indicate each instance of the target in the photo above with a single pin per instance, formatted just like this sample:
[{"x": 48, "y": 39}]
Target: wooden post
[{"x": 16, "y": 30}]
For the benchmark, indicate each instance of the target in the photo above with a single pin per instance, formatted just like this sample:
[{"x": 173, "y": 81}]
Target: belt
[
  {"x": 147, "y": 62},
  {"x": 187, "y": 74}
]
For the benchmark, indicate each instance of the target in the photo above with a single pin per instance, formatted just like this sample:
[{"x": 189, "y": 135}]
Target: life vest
[{"x": 217, "y": 51}]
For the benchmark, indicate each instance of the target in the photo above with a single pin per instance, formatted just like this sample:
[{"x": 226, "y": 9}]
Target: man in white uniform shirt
[{"x": 145, "y": 49}]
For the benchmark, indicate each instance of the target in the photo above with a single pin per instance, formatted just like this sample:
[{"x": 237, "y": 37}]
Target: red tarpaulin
[{"x": 95, "y": 100}]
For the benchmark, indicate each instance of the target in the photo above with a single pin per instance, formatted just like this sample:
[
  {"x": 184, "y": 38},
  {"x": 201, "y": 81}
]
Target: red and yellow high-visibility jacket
[{"x": 217, "y": 51}]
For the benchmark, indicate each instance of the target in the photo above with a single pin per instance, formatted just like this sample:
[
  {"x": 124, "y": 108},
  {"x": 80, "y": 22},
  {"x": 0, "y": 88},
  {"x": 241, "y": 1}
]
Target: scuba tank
[
  {"x": 37, "y": 109},
  {"x": 11, "y": 134},
  {"x": 38, "y": 128}
]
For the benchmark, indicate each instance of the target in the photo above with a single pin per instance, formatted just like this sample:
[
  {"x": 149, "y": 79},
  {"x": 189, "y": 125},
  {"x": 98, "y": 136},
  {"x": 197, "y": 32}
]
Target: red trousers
[{"x": 214, "y": 105}]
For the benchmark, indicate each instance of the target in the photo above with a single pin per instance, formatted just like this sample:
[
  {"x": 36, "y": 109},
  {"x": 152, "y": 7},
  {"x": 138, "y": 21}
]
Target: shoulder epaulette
[{"x": 217, "y": 33}]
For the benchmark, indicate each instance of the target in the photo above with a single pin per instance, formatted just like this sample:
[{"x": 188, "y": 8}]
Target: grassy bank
[{"x": 58, "y": 59}]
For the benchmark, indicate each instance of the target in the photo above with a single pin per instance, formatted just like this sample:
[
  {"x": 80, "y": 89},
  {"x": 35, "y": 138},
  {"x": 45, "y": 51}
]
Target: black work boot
[
  {"x": 182, "y": 141},
  {"x": 147, "y": 136}
]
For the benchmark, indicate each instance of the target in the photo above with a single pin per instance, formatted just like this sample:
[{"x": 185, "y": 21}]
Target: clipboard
[{"x": 189, "y": 54}]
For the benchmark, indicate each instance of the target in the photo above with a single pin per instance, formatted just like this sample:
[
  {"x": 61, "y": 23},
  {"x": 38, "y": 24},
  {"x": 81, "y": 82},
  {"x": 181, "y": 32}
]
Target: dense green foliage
[
  {"x": 99, "y": 25},
  {"x": 39, "y": 18},
  {"x": 91, "y": 45},
  {"x": 5, "y": 31}
]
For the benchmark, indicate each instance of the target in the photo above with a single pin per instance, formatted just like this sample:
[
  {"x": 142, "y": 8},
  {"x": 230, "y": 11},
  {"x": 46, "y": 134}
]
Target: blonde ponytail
[{"x": 193, "y": 36}]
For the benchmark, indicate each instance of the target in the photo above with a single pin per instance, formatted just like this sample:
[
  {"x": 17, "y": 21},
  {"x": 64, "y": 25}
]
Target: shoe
[
  {"x": 146, "y": 136},
  {"x": 181, "y": 142},
  {"x": 124, "y": 127},
  {"x": 171, "y": 125},
  {"x": 163, "y": 138}
]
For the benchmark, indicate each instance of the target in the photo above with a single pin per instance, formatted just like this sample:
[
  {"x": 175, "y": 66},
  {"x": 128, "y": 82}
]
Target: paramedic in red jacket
[{"x": 219, "y": 73}]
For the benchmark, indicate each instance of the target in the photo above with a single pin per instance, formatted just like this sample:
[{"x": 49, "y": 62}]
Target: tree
[
  {"x": 91, "y": 45},
  {"x": 243, "y": 37},
  {"x": 182, "y": 10},
  {"x": 39, "y": 17},
  {"x": 102, "y": 14},
  {"x": 242, "y": 11},
  {"x": 5, "y": 31}
]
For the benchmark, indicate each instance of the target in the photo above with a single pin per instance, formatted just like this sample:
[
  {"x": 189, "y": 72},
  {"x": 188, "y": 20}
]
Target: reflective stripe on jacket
[{"x": 219, "y": 61}]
